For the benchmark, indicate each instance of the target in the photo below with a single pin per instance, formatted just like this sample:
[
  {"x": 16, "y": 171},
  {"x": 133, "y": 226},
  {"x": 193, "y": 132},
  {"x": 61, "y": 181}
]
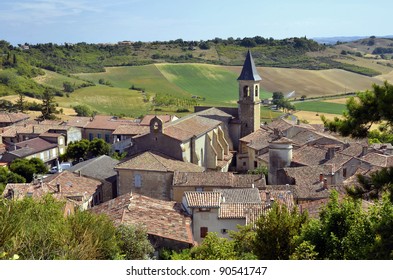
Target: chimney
[
  {"x": 364, "y": 150},
  {"x": 325, "y": 184},
  {"x": 268, "y": 197},
  {"x": 330, "y": 153},
  {"x": 320, "y": 177},
  {"x": 58, "y": 186},
  {"x": 80, "y": 173}
]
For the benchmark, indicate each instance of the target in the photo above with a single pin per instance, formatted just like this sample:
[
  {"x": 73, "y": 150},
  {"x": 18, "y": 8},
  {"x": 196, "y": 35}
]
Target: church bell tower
[{"x": 249, "y": 102}]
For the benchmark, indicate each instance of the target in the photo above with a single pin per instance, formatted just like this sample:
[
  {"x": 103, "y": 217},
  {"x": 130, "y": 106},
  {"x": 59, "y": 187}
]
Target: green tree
[
  {"x": 344, "y": 231},
  {"x": 98, "y": 147},
  {"x": 82, "y": 110},
  {"x": 68, "y": 87},
  {"x": 77, "y": 150},
  {"x": 21, "y": 104},
  {"x": 134, "y": 243},
  {"x": 27, "y": 168},
  {"x": 48, "y": 108},
  {"x": 6, "y": 176},
  {"x": 366, "y": 109},
  {"x": 275, "y": 233}
]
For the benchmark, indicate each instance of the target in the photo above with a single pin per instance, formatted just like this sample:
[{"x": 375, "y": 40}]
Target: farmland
[{"x": 321, "y": 107}]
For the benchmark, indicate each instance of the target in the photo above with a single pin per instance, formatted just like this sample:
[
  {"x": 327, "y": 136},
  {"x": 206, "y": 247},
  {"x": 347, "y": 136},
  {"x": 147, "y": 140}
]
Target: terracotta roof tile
[
  {"x": 131, "y": 129},
  {"x": 244, "y": 195},
  {"x": 155, "y": 161},
  {"x": 307, "y": 175},
  {"x": 203, "y": 199},
  {"x": 106, "y": 122},
  {"x": 258, "y": 139},
  {"x": 309, "y": 155},
  {"x": 217, "y": 179},
  {"x": 378, "y": 159},
  {"x": 164, "y": 118},
  {"x": 238, "y": 210},
  {"x": 10, "y": 118},
  {"x": 161, "y": 218}
]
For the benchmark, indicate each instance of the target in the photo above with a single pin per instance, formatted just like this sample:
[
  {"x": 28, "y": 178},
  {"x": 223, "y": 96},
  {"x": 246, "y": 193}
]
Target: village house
[
  {"x": 168, "y": 225},
  {"x": 222, "y": 210},
  {"x": 208, "y": 181},
  {"x": 7, "y": 118},
  {"x": 151, "y": 174},
  {"x": 102, "y": 169},
  {"x": 77, "y": 191},
  {"x": 48, "y": 148}
]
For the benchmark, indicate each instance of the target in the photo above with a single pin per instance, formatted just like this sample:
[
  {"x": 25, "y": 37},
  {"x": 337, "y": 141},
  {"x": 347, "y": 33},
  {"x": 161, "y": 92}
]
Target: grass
[
  {"x": 321, "y": 107},
  {"x": 108, "y": 100},
  {"x": 56, "y": 80}
]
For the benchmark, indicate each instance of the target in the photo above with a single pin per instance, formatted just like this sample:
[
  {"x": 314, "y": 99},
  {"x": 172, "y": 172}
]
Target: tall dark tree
[
  {"x": 21, "y": 104},
  {"x": 48, "y": 108}
]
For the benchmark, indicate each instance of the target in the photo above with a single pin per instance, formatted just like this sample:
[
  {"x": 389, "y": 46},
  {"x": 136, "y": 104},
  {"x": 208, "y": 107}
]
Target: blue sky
[{"x": 94, "y": 21}]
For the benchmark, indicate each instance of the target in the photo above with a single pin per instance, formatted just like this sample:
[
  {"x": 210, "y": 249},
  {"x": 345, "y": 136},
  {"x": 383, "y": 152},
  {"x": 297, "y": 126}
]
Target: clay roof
[
  {"x": 283, "y": 197},
  {"x": 106, "y": 122},
  {"x": 164, "y": 118},
  {"x": 73, "y": 187},
  {"x": 307, "y": 175},
  {"x": 280, "y": 124},
  {"x": 354, "y": 149},
  {"x": 155, "y": 161},
  {"x": 12, "y": 131},
  {"x": 203, "y": 199},
  {"x": 282, "y": 140},
  {"x": 10, "y": 118},
  {"x": 339, "y": 160},
  {"x": 216, "y": 179},
  {"x": 32, "y": 146},
  {"x": 239, "y": 210},
  {"x": 258, "y": 139},
  {"x": 309, "y": 155},
  {"x": 131, "y": 129},
  {"x": 78, "y": 121},
  {"x": 161, "y": 218},
  {"x": 378, "y": 159},
  {"x": 307, "y": 136},
  {"x": 185, "y": 128}
]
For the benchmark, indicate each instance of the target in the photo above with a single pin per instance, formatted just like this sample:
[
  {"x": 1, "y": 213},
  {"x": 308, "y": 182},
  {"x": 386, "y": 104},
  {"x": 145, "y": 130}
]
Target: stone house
[
  {"x": 102, "y": 169},
  {"x": 7, "y": 118},
  {"x": 150, "y": 174},
  {"x": 167, "y": 224},
  {"x": 222, "y": 210},
  {"x": 79, "y": 192},
  {"x": 47, "y": 148},
  {"x": 208, "y": 181}
]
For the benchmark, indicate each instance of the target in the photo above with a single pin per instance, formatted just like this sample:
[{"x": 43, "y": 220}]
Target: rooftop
[
  {"x": 249, "y": 71},
  {"x": 161, "y": 218}
]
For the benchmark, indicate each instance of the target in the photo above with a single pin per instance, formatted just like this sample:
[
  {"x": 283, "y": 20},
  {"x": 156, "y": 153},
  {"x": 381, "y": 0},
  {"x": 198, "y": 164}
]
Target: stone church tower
[{"x": 249, "y": 102}]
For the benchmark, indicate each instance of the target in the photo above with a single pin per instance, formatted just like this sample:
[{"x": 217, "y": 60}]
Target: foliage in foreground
[
  {"x": 38, "y": 230},
  {"x": 343, "y": 231}
]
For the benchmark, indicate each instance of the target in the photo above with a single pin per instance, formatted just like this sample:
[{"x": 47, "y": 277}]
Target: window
[
  {"x": 345, "y": 172},
  {"x": 99, "y": 135},
  {"x": 61, "y": 141},
  {"x": 203, "y": 232},
  {"x": 107, "y": 136},
  {"x": 246, "y": 91},
  {"x": 199, "y": 189},
  {"x": 244, "y": 163},
  {"x": 224, "y": 231},
  {"x": 137, "y": 181},
  {"x": 204, "y": 209},
  {"x": 90, "y": 136},
  {"x": 256, "y": 91},
  {"x": 255, "y": 164}
]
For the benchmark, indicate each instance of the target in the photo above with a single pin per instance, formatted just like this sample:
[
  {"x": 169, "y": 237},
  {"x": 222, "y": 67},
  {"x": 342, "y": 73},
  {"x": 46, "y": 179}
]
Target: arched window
[
  {"x": 156, "y": 127},
  {"x": 256, "y": 91},
  {"x": 246, "y": 91}
]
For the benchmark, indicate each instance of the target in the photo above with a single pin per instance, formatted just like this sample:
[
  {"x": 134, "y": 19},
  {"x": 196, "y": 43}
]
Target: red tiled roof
[
  {"x": 258, "y": 139},
  {"x": 378, "y": 159},
  {"x": 155, "y": 161},
  {"x": 106, "y": 122},
  {"x": 161, "y": 218},
  {"x": 203, "y": 199},
  {"x": 164, "y": 118},
  {"x": 6, "y": 117},
  {"x": 131, "y": 129},
  {"x": 309, "y": 155}
]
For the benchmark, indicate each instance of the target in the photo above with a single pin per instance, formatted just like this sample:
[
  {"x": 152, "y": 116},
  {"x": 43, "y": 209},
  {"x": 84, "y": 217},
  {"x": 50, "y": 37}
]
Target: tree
[
  {"x": 82, "y": 110},
  {"x": 98, "y": 147},
  {"x": 77, "y": 150},
  {"x": 27, "y": 168},
  {"x": 134, "y": 243},
  {"x": 48, "y": 108},
  {"x": 6, "y": 176},
  {"x": 363, "y": 111},
  {"x": 21, "y": 104},
  {"x": 343, "y": 231},
  {"x": 68, "y": 87},
  {"x": 275, "y": 232}
]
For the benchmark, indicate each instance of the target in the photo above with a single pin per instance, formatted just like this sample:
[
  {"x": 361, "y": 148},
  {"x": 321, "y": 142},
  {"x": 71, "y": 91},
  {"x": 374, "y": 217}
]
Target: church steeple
[
  {"x": 249, "y": 102},
  {"x": 249, "y": 71}
]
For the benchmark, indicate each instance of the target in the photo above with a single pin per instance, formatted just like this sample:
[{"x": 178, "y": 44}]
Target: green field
[
  {"x": 321, "y": 107},
  {"x": 108, "y": 100},
  {"x": 56, "y": 80}
]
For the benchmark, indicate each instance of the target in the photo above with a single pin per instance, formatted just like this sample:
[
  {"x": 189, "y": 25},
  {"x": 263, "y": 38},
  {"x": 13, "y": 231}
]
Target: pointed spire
[{"x": 249, "y": 71}]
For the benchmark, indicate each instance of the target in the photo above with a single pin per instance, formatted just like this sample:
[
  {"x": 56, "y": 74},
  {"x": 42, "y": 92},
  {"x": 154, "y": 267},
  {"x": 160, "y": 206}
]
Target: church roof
[{"x": 249, "y": 71}]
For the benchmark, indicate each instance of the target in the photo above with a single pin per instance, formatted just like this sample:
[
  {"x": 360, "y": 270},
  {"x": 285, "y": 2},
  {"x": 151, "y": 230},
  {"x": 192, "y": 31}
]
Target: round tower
[{"x": 280, "y": 156}]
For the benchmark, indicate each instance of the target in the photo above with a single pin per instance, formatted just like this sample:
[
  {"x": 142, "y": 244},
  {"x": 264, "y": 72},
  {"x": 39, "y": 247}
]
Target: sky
[{"x": 110, "y": 21}]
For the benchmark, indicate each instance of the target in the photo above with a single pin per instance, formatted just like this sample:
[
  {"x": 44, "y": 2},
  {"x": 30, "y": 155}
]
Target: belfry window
[
  {"x": 246, "y": 91},
  {"x": 256, "y": 91}
]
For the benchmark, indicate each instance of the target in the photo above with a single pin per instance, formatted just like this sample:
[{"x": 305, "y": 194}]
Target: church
[{"x": 210, "y": 136}]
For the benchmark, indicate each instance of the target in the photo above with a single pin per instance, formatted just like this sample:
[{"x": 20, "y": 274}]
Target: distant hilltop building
[{"x": 125, "y": 43}]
